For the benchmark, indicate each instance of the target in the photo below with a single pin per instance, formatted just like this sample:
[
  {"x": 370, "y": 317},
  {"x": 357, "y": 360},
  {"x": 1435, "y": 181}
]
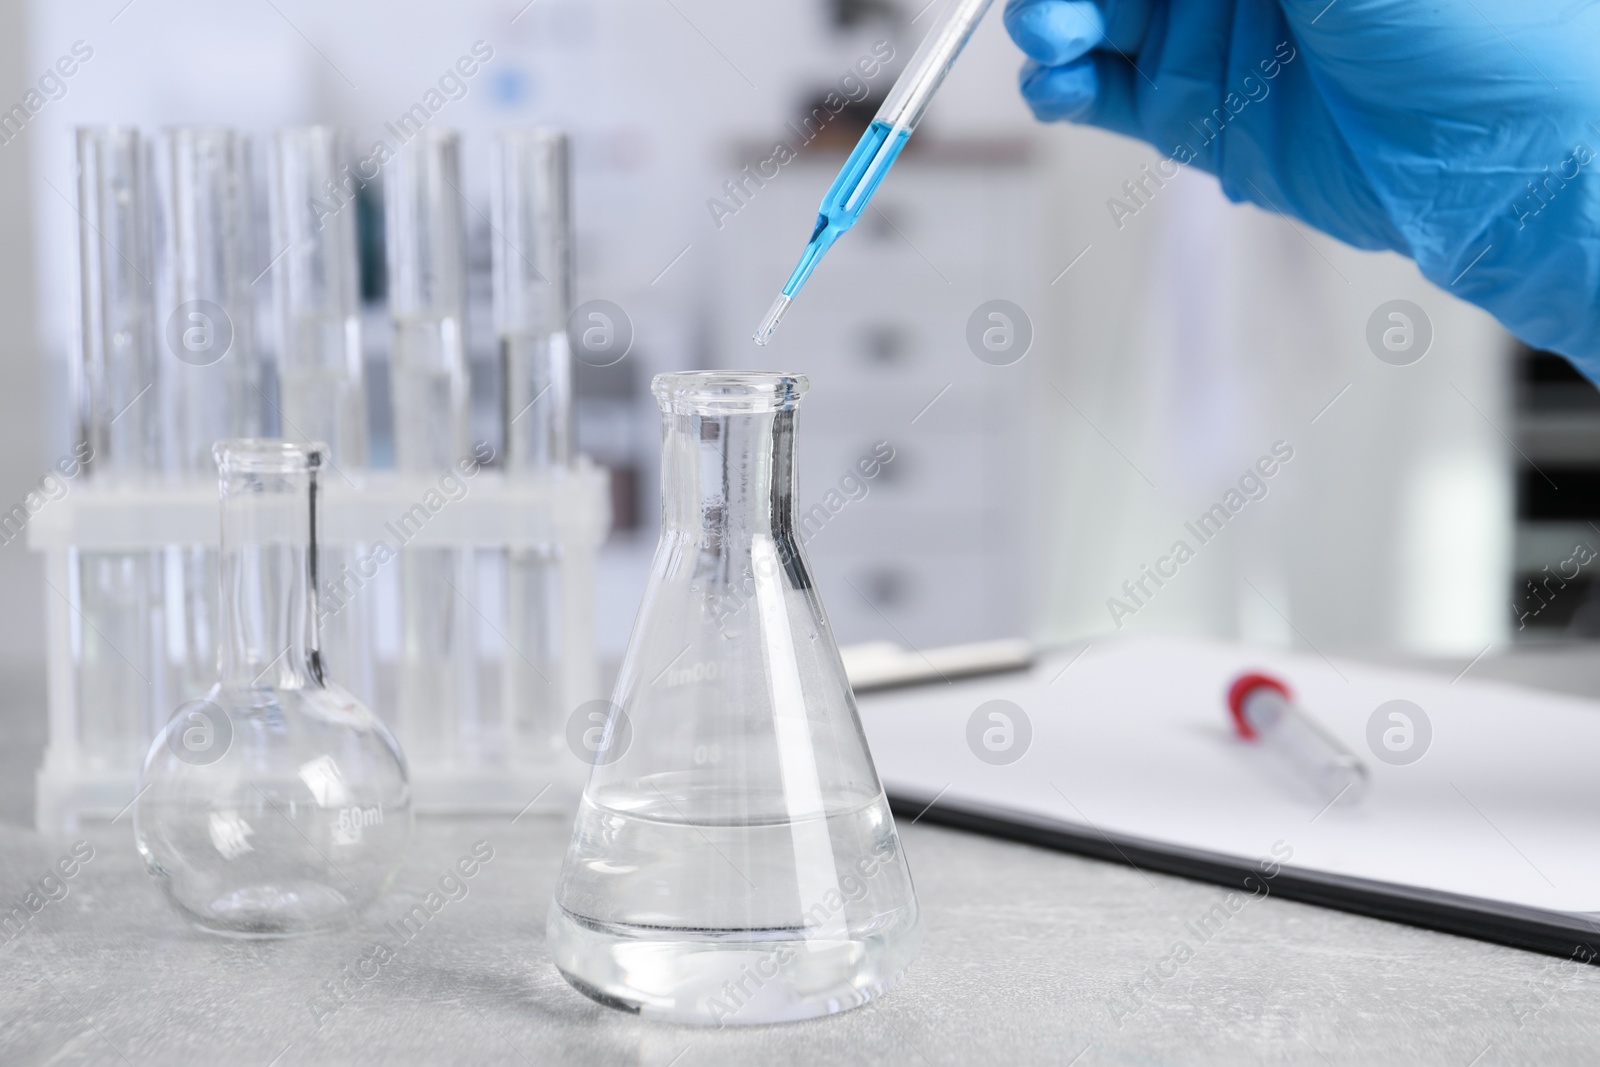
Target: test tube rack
[{"x": 569, "y": 510}]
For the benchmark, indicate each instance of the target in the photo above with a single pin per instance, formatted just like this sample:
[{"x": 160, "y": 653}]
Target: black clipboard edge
[{"x": 1569, "y": 935}]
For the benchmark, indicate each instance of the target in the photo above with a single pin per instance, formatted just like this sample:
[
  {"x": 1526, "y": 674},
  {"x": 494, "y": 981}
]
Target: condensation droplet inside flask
[{"x": 738, "y": 863}]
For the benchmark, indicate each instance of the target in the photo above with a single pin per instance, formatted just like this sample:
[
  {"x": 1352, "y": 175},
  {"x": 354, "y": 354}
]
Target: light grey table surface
[{"x": 1029, "y": 957}]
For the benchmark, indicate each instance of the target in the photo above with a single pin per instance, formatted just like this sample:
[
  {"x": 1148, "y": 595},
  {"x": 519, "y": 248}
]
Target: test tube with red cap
[{"x": 1264, "y": 712}]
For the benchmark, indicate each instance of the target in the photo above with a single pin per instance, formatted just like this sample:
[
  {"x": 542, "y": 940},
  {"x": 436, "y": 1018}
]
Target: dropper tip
[{"x": 763, "y": 332}]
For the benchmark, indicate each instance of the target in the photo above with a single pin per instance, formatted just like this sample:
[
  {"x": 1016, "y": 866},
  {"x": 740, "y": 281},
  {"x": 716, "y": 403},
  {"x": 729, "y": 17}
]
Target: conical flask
[
  {"x": 734, "y": 860},
  {"x": 279, "y": 804}
]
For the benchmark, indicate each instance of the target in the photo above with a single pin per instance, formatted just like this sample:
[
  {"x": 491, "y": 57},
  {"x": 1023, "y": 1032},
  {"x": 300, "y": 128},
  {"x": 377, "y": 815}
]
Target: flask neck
[
  {"x": 268, "y": 559},
  {"x": 727, "y": 480}
]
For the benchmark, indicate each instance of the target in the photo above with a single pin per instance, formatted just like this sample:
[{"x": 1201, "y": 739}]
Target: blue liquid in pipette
[{"x": 848, "y": 196}]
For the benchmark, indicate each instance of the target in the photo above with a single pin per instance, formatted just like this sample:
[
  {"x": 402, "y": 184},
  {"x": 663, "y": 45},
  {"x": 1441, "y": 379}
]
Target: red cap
[{"x": 1242, "y": 687}]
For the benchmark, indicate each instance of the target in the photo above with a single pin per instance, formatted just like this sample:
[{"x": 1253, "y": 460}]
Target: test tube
[
  {"x": 1264, "y": 713},
  {"x": 532, "y": 259},
  {"x": 427, "y": 260},
  {"x": 120, "y": 418},
  {"x": 321, "y": 384},
  {"x": 119, "y": 593},
  {"x": 211, "y": 373},
  {"x": 208, "y": 328},
  {"x": 321, "y": 388}
]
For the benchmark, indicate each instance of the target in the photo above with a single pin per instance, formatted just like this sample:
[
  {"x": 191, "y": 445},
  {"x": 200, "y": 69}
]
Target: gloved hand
[{"x": 1462, "y": 133}]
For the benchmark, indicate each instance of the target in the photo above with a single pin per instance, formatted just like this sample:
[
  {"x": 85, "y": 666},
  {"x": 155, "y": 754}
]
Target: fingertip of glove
[
  {"x": 1054, "y": 32},
  {"x": 1064, "y": 93}
]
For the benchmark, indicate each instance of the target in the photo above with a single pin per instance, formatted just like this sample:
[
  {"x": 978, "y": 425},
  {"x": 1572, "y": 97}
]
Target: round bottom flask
[
  {"x": 279, "y": 804},
  {"x": 734, "y": 860}
]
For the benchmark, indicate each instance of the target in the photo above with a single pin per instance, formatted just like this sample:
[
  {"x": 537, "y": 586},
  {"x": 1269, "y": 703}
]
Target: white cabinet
[{"x": 936, "y": 548}]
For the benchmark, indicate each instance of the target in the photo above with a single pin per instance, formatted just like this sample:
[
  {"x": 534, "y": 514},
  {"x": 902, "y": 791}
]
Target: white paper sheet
[{"x": 1134, "y": 737}]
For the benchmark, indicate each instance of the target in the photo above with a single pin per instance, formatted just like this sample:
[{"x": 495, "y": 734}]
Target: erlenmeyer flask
[
  {"x": 279, "y": 804},
  {"x": 734, "y": 860}
]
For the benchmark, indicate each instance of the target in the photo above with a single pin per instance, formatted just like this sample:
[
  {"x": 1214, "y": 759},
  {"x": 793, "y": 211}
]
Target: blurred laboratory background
[{"x": 1171, "y": 340}]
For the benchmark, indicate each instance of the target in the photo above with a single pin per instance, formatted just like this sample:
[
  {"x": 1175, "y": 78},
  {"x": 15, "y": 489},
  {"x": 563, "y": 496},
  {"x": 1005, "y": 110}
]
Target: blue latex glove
[{"x": 1462, "y": 133}]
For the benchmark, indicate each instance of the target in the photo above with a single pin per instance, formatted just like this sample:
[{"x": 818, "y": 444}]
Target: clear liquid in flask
[{"x": 666, "y": 908}]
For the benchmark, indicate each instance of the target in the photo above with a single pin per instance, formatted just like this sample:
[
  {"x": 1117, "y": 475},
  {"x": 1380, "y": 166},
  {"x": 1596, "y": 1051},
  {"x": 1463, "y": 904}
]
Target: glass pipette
[{"x": 881, "y": 144}]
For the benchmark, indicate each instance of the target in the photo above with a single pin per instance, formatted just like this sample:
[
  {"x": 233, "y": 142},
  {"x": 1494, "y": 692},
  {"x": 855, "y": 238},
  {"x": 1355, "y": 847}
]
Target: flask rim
[
  {"x": 103, "y": 132},
  {"x": 310, "y": 135},
  {"x": 728, "y": 392},
  {"x": 434, "y": 136},
  {"x": 267, "y": 455},
  {"x": 203, "y": 134},
  {"x": 531, "y": 136}
]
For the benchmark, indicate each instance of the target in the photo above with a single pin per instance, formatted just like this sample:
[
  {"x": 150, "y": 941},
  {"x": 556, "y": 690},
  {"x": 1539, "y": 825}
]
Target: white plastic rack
[{"x": 569, "y": 510}]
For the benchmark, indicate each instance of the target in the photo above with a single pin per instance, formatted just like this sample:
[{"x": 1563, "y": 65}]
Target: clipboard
[{"x": 1492, "y": 832}]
